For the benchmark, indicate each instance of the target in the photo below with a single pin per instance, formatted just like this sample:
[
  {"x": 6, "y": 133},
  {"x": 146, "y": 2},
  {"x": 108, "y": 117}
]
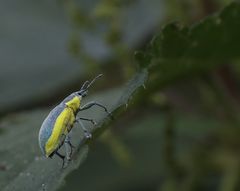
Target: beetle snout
[{"x": 84, "y": 93}]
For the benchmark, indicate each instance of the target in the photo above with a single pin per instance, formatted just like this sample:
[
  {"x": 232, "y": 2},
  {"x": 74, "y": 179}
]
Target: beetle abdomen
[
  {"x": 56, "y": 124},
  {"x": 62, "y": 126}
]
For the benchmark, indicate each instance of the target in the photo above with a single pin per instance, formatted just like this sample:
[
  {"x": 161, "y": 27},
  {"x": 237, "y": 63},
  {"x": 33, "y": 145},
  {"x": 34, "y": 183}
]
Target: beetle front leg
[
  {"x": 94, "y": 103},
  {"x": 86, "y": 119}
]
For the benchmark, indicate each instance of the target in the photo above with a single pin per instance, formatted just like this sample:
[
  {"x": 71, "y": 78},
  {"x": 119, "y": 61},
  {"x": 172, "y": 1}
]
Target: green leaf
[
  {"x": 216, "y": 37},
  {"x": 179, "y": 51},
  {"x": 24, "y": 169}
]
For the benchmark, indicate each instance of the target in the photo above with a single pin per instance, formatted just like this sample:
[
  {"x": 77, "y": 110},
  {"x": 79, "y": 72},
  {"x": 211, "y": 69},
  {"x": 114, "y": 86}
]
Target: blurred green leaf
[
  {"x": 179, "y": 51},
  {"x": 216, "y": 37}
]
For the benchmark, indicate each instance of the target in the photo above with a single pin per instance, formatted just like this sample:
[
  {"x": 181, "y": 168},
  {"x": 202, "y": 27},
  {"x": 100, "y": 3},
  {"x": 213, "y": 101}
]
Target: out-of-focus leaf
[
  {"x": 179, "y": 51},
  {"x": 215, "y": 37},
  {"x": 25, "y": 169}
]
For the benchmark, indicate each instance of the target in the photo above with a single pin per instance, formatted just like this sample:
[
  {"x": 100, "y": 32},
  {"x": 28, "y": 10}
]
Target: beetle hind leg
[
  {"x": 67, "y": 145},
  {"x": 62, "y": 157}
]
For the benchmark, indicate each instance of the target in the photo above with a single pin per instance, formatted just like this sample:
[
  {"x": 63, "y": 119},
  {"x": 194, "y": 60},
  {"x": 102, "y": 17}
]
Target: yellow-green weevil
[{"x": 57, "y": 125}]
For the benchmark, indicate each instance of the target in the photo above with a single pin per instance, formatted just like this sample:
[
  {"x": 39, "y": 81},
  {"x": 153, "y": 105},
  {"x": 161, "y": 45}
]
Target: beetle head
[{"x": 84, "y": 89}]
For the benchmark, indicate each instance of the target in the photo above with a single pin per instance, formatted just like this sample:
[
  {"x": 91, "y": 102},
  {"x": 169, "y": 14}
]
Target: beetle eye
[{"x": 84, "y": 93}]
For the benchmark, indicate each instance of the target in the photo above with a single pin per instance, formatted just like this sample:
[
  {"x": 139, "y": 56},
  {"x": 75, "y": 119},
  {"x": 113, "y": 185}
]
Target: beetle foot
[
  {"x": 94, "y": 122},
  {"x": 69, "y": 158},
  {"x": 111, "y": 116},
  {"x": 66, "y": 161},
  {"x": 87, "y": 135},
  {"x": 63, "y": 164}
]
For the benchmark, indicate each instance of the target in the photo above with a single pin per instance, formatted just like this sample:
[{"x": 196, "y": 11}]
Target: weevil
[{"x": 56, "y": 127}]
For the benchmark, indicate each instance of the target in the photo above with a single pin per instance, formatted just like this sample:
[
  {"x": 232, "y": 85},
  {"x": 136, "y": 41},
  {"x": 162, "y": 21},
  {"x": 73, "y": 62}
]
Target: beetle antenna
[
  {"x": 84, "y": 86},
  {"x": 98, "y": 76}
]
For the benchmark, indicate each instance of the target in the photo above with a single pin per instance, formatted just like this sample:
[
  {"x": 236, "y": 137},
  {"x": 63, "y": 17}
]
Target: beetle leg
[
  {"x": 68, "y": 143},
  {"x": 62, "y": 138},
  {"x": 86, "y": 119},
  {"x": 87, "y": 134},
  {"x": 94, "y": 103},
  {"x": 62, "y": 157}
]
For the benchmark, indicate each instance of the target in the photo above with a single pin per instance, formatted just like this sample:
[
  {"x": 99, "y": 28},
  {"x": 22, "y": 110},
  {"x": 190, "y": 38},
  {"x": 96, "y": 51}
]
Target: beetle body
[
  {"x": 55, "y": 129},
  {"x": 58, "y": 124}
]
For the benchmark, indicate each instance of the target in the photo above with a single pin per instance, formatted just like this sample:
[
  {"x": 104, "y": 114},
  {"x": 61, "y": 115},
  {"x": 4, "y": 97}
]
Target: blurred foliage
[{"x": 108, "y": 14}]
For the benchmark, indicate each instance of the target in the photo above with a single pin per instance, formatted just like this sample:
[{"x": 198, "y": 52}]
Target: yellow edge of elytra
[{"x": 63, "y": 121}]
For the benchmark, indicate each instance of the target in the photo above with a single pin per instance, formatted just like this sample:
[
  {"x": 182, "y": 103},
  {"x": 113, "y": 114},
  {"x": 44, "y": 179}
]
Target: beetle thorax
[{"x": 74, "y": 103}]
